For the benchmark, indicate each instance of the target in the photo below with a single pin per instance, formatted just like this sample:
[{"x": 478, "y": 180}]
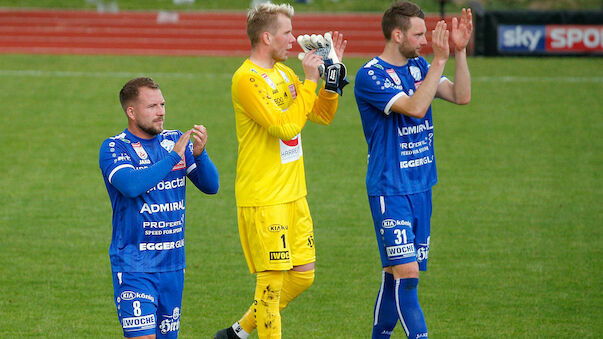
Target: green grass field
[{"x": 516, "y": 232}]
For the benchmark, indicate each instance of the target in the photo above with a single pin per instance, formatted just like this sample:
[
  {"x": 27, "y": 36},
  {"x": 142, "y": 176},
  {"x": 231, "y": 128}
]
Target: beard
[
  {"x": 150, "y": 129},
  {"x": 279, "y": 57},
  {"x": 279, "y": 54},
  {"x": 407, "y": 50}
]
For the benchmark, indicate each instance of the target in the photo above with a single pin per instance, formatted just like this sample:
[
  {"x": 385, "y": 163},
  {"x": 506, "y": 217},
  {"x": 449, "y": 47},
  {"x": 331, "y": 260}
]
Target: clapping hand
[{"x": 461, "y": 30}]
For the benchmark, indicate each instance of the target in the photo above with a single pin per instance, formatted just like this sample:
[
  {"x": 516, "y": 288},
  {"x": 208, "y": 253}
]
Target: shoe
[{"x": 227, "y": 333}]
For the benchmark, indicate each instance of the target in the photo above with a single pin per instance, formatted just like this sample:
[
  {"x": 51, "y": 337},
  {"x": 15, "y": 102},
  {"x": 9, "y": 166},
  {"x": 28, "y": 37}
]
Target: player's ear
[
  {"x": 397, "y": 35},
  {"x": 130, "y": 112},
  {"x": 266, "y": 38}
]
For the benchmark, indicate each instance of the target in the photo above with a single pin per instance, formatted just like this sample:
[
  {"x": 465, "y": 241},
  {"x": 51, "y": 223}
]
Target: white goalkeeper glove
[{"x": 333, "y": 71}]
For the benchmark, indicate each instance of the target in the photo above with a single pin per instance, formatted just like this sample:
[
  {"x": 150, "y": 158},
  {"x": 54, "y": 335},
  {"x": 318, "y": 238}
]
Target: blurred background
[
  {"x": 308, "y": 5},
  {"x": 517, "y": 229},
  {"x": 212, "y": 27}
]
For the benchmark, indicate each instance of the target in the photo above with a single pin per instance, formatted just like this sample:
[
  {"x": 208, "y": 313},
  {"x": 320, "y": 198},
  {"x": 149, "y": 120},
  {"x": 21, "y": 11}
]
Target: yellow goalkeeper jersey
[{"x": 271, "y": 107}]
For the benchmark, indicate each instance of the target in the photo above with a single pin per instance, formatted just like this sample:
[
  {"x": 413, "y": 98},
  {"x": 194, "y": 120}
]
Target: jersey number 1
[{"x": 284, "y": 242}]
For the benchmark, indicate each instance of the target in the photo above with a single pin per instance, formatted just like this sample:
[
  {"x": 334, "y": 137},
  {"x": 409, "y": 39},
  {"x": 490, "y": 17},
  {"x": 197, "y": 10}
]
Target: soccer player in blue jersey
[
  {"x": 145, "y": 169},
  {"x": 394, "y": 92}
]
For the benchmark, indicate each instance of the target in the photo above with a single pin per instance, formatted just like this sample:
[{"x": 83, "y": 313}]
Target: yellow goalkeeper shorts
[{"x": 277, "y": 237}]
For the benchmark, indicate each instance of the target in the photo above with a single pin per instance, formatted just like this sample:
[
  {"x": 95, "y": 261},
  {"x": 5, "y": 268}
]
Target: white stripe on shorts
[{"x": 382, "y": 203}]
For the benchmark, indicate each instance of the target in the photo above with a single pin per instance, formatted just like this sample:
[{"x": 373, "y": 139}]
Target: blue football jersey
[
  {"x": 400, "y": 148},
  {"x": 148, "y": 230}
]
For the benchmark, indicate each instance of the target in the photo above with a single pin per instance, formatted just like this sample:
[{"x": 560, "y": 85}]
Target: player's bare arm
[
  {"x": 459, "y": 91},
  {"x": 417, "y": 104}
]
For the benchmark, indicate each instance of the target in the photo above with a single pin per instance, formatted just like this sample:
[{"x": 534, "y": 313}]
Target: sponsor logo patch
[
  {"x": 400, "y": 251},
  {"x": 162, "y": 224},
  {"x": 521, "y": 38},
  {"x": 122, "y": 157},
  {"x": 168, "y": 184},
  {"x": 389, "y": 223},
  {"x": 130, "y": 295},
  {"x": 291, "y": 150},
  {"x": 171, "y": 323},
  {"x": 574, "y": 38},
  {"x": 161, "y": 246},
  {"x": 551, "y": 39},
  {"x": 291, "y": 143},
  {"x": 423, "y": 251},
  {"x": 277, "y": 228},
  {"x": 280, "y": 255},
  {"x": 416, "y": 162},
  {"x": 167, "y": 207},
  {"x": 147, "y": 321},
  {"x": 414, "y": 129}
]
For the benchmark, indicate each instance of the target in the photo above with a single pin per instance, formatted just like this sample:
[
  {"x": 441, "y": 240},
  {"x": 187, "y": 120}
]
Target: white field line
[
  {"x": 71, "y": 74},
  {"x": 537, "y": 79},
  {"x": 214, "y": 75}
]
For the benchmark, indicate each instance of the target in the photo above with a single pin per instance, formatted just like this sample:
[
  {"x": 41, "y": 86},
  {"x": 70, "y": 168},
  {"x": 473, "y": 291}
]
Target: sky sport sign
[{"x": 550, "y": 39}]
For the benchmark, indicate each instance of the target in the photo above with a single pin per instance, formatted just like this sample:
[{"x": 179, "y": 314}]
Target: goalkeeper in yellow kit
[{"x": 271, "y": 107}]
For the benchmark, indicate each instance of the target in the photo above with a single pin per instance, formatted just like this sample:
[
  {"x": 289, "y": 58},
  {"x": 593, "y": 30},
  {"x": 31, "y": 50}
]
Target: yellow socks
[
  {"x": 267, "y": 294},
  {"x": 293, "y": 284},
  {"x": 247, "y": 323}
]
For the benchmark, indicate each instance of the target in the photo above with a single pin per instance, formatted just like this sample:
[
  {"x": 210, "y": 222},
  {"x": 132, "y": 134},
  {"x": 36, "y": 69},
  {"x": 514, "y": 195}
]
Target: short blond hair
[{"x": 262, "y": 18}]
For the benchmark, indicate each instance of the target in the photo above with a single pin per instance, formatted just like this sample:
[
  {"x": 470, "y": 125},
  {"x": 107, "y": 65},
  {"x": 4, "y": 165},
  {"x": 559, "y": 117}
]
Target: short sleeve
[{"x": 375, "y": 87}]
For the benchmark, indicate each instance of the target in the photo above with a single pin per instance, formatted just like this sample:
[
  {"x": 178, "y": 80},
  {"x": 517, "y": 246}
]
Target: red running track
[{"x": 169, "y": 33}]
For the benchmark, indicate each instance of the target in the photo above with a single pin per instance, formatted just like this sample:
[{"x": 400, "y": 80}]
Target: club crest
[
  {"x": 415, "y": 72},
  {"x": 168, "y": 144},
  {"x": 394, "y": 76},
  {"x": 140, "y": 151}
]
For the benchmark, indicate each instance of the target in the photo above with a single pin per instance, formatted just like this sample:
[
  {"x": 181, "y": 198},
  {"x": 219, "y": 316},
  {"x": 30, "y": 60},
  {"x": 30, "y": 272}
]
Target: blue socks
[
  {"x": 409, "y": 310},
  {"x": 385, "y": 316},
  {"x": 398, "y": 300}
]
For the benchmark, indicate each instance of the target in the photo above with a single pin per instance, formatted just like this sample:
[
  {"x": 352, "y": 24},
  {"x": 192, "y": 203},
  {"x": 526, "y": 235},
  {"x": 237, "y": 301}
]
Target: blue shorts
[
  {"x": 403, "y": 227},
  {"x": 149, "y": 303}
]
